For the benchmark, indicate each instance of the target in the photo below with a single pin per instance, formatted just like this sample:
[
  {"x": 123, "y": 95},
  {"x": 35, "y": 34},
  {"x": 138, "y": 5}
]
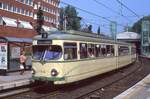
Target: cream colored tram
[{"x": 65, "y": 57}]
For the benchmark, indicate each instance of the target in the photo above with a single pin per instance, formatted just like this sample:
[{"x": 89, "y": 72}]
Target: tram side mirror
[{"x": 44, "y": 35}]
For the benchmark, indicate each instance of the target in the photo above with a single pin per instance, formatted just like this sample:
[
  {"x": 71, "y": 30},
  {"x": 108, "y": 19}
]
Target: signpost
[
  {"x": 145, "y": 37},
  {"x": 113, "y": 29}
]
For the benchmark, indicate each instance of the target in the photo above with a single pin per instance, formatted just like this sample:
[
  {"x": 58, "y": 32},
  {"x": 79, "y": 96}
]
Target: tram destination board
[{"x": 44, "y": 42}]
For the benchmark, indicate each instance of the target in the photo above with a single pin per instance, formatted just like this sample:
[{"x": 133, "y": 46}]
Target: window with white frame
[
  {"x": 22, "y": 1},
  {"x": 14, "y": 9},
  {"x": 27, "y": 13},
  {"x": 30, "y": 14},
  {"x": 1, "y": 21},
  {"x": 49, "y": 1},
  {"x": 1, "y": 5},
  {"x": 18, "y": 10},
  {"x": 27, "y": 2},
  {"x": 9, "y": 7},
  {"x": 5, "y": 6},
  {"x": 22, "y": 10},
  {"x": 30, "y": 2}
]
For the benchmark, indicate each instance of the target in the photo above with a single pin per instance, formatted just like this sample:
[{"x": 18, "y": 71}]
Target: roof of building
[{"x": 128, "y": 35}]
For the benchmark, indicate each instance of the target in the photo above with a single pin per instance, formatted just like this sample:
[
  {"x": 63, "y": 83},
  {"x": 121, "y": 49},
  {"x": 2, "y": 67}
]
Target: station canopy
[{"x": 128, "y": 36}]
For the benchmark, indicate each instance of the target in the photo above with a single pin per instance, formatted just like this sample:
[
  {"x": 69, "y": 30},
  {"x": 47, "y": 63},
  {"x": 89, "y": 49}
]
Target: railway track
[
  {"x": 117, "y": 86},
  {"x": 86, "y": 89},
  {"x": 31, "y": 92},
  {"x": 90, "y": 94}
]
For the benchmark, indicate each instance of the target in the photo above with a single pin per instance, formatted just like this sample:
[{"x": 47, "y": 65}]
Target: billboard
[
  {"x": 15, "y": 52},
  {"x": 3, "y": 56}
]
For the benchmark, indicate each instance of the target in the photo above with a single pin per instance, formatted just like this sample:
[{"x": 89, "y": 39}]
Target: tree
[
  {"x": 70, "y": 14},
  {"x": 61, "y": 15},
  {"x": 137, "y": 26},
  {"x": 127, "y": 29},
  {"x": 40, "y": 20},
  {"x": 98, "y": 30},
  {"x": 90, "y": 28}
]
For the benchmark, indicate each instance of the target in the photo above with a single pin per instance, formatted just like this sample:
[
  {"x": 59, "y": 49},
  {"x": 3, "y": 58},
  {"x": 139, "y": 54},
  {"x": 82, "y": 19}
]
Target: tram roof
[{"x": 77, "y": 36}]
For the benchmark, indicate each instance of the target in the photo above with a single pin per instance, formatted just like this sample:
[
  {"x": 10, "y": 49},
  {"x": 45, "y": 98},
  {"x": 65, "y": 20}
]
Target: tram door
[
  {"x": 123, "y": 55},
  {"x": 117, "y": 56}
]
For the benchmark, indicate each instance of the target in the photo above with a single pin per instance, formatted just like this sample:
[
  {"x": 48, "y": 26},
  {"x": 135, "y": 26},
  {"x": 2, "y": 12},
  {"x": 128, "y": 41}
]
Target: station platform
[
  {"x": 15, "y": 79},
  {"x": 141, "y": 90}
]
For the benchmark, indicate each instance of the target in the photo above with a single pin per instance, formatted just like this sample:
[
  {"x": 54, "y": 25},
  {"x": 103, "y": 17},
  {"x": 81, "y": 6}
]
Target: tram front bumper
[{"x": 48, "y": 78}]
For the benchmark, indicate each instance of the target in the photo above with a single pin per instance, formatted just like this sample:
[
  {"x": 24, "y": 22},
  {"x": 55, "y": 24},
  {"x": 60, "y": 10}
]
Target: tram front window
[{"x": 52, "y": 52}]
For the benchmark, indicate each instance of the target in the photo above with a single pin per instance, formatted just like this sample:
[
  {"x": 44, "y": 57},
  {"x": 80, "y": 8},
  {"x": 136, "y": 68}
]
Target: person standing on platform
[{"x": 22, "y": 62}]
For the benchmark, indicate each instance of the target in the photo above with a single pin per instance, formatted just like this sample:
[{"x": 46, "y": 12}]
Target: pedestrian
[{"x": 22, "y": 62}]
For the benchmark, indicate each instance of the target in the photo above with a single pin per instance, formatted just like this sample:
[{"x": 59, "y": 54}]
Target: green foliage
[
  {"x": 128, "y": 28},
  {"x": 98, "y": 30},
  {"x": 137, "y": 26},
  {"x": 71, "y": 15},
  {"x": 40, "y": 20},
  {"x": 61, "y": 15},
  {"x": 90, "y": 28},
  {"x": 27, "y": 53}
]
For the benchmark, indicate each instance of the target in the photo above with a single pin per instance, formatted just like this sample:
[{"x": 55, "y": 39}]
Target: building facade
[
  {"x": 17, "y": 23},
  {"x": 18, "y": 17}
]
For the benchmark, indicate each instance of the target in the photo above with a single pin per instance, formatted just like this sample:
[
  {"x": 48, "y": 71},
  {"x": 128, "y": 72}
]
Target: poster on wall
[
  {"x": 3, "y": 55},
  {"x": 15, "y": 52}
]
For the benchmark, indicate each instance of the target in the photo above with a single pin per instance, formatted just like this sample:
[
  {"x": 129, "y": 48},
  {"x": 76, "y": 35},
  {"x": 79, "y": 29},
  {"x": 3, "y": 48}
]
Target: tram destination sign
[{"x": 44, "y": 42}]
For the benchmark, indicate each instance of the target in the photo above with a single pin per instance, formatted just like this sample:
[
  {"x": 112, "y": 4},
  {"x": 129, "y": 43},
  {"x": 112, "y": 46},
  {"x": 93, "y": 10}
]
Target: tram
[{"x": 66, "y": 57}]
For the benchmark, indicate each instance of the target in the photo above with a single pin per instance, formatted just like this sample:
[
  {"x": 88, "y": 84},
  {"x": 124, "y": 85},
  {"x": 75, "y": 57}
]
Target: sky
[{"x": 140, "y": 7}]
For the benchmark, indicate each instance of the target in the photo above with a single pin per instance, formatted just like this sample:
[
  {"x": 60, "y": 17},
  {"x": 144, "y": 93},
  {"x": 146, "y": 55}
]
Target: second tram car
[{"x": 65, "y": 57}]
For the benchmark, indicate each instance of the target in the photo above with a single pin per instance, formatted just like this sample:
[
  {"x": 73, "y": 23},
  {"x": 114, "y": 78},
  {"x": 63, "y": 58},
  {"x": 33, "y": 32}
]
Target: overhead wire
[
  {"x": 128, "y": 8},
  {"x": 91, "y": 13},
  {"x": 102, "y": 4}
]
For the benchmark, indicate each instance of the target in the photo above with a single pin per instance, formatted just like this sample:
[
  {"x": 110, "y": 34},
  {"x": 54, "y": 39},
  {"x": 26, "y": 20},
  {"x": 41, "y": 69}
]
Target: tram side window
[
  {"x": 98, "y": 50},
  {"x": 103, "y": 50},
  {"x": 83, "y": 50},
  {"x": 133, "y": 50},
  {"x": 110, "y": 50},
  {"x": 70, "y": 51},
  {"x": 91, "y": 50},
  {"x": 123, "y": 50}
]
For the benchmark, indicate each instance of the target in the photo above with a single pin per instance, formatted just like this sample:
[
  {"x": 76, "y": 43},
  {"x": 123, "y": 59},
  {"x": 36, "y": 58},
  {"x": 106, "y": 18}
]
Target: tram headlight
[
  {"x": 33, "y": 71},
  {"x": 54, "y": 72}
]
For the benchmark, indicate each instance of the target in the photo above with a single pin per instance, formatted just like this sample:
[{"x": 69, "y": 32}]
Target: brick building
[
  {"x": 18, "y": 17},
  {"x": 17, "y": 22}
]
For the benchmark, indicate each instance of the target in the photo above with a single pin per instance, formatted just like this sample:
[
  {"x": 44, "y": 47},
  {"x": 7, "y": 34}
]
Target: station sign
[{"x": 145, "y": 32}]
